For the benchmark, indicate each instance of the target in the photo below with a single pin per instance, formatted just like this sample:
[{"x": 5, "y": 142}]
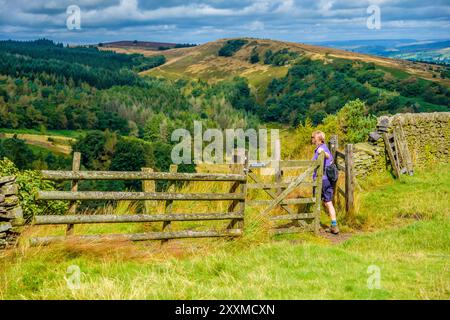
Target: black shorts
[{"x": 327, "y": 190}]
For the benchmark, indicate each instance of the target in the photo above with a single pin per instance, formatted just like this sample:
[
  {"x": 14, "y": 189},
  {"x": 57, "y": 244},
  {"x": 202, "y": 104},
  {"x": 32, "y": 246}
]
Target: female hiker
[{"x": 318, "y": 139}]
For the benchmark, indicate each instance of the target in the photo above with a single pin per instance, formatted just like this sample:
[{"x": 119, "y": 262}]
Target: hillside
[
  {"x": 379, "y": 81},
  {"x": 203, "y": 62}
]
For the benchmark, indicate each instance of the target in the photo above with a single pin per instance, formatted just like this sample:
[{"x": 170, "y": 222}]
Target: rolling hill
[{"x": 203, "y": 62}]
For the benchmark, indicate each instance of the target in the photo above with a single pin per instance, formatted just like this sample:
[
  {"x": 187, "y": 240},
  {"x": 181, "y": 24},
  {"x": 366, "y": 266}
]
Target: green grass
[
  {"x": 37, "y": 150},
  {"x": 260, "y": 80},
  {"x": 400, "y": 74},
  {"x": 409, "y": 244},
  {"x": 386, "y": 202}
]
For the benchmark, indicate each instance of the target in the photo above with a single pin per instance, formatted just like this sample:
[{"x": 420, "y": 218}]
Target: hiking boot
[{"x": 334, "y": 229}]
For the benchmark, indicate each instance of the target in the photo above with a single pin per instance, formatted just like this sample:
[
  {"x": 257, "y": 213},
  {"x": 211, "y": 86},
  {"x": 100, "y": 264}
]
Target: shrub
[
  {"x": 355, "y": 121},
  {"x": 18, "y": 151},
  {"x": 30, "y": 182},
  {"x": 254, "y": 57},
  {"x": 231, "y": 47}
]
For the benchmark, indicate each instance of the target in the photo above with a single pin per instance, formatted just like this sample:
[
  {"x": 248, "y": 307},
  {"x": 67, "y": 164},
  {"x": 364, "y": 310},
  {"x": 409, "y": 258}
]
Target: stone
[
  {"x": 17, "y": 222},
  {"x": 7, "y": 179},
  {"x": 2, "y": 198},
  {"x": 10, "y": 201},
  {"x": 14, "y": 213},
  {"x": 383, "y": 123},
  {"x": 5, "y": 226},
  {"x": 374, "y": 136},
  {"x": 9, "y": 189}
]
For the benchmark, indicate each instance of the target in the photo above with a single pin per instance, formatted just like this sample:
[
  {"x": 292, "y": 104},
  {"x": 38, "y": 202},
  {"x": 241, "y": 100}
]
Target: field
[
  {"x": 56, "y": 145},
  {"x": 401, "y": 230}
]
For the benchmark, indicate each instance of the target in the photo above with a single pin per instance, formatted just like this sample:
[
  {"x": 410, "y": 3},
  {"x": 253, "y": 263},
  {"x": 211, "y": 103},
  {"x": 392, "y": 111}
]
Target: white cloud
[
  {"x": 203, "y": 20},
  {"x": 256, "y": 26}
]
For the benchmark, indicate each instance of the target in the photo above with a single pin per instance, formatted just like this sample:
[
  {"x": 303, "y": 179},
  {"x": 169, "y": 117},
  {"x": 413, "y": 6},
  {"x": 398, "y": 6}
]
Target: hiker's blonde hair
[{"x": 320, "y": 135}]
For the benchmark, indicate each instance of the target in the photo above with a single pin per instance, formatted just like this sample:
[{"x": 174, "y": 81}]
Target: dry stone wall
[
  {"x": 10, "y": 211},
  {"x": 427, "y": 136}
]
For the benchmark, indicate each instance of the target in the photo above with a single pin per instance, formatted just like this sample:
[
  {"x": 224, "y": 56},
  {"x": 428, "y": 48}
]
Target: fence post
[
  {"x": 238, "y": 167},
  {"x": 148, "y": 186},
  {"x": 168, "y": 205},
  {"x": 277, "y": 159},
  {"x": 318, "y": 192},
  {"x": 76, "y": 161},
  {"x": 349, "y": 176},
  {"x": 334, "y": 144}
]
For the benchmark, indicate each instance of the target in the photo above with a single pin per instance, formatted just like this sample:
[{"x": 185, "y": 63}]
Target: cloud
[
  {"x": 256, "y": 26},
  {"x": 203, "y": 20}
]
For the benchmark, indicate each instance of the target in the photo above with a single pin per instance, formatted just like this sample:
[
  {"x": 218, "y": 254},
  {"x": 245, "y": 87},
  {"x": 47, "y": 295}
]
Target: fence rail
[
  {"x": 138, "y": 175},
  {"x": 115, "y": 218},
  {"x": 38, "y": 241},
  {"x": 121, "y": 195}
]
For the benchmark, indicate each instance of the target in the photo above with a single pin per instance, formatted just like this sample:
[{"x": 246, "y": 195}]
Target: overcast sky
[{"x": 200, "y": 21}]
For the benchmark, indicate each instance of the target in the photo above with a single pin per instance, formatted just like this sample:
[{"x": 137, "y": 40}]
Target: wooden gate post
[
  {"x": 277, "y": 158},
  {"x": 239, "y": 166},
  {"x": 333, "y": 144},
  {"x": 349, "y": 176},
  {"x": 168, "y": 205},
  {"x": 318, "y": 192},
  {"x": 148, "y": 186},
  {"x": 76, "y": 161}
]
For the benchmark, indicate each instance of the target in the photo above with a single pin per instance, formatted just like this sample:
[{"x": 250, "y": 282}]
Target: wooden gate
[{"x": 302, "y": 211}]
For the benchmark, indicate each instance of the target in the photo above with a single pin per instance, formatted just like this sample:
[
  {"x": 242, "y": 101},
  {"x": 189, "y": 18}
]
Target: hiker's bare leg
[{"x": 331, "y": 211}]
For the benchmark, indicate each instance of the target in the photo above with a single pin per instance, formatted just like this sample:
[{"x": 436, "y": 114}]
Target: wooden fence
[
  {"x": 302, "y": 211},
  {"x": 235, "y": 212}
]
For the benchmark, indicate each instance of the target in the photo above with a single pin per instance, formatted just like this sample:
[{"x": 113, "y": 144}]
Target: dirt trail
[{"x": 335, "y": 238}]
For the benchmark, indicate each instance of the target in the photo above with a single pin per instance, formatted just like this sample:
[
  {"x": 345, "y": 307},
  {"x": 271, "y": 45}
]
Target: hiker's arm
[{"x": 327, "y": 155}]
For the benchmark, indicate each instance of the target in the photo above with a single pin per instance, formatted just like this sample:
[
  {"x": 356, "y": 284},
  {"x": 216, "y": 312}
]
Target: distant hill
[
  {"x": 436, "y": 51},
  {"x": 144, "y": 45}
]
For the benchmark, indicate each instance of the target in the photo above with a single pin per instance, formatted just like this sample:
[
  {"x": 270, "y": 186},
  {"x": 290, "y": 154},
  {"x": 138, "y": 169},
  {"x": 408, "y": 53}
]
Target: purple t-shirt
[{"x": 328, "y": 161}]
